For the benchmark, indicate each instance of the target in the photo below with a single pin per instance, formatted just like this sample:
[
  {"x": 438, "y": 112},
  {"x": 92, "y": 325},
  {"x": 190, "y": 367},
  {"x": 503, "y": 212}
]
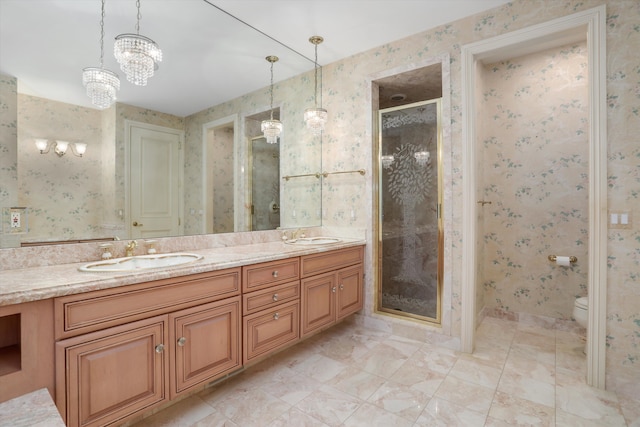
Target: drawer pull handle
[
  {"x": 276, "y": 316},
  {"x": 275, "y": 273},
  {"x": 342, "y": 287},
  {"x": 275, "y": 297},
  {"x": 182, "y": 341},
  {"x": 333, "y": 289},
  {"x": 160, "y": 348}
]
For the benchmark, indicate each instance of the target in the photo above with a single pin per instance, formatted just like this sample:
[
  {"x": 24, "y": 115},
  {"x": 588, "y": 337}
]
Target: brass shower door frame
[{"x": 435, "y": 321}]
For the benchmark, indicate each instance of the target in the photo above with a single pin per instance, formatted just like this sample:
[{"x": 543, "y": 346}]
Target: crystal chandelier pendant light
[
  {"x": 271, "y": 129},
  {"x": 138, "y": 56},
  {"x": 101, "y": 84},
  {"x": 316, "y": 117}
]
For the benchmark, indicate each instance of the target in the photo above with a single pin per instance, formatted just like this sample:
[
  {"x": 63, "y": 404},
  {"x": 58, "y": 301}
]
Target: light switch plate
[{"x": 620, "y": 220}]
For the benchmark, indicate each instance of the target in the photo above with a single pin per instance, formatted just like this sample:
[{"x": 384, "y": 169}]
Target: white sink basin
[
  {"x": 307, "y": 241},
  {"x": 141, "y": 262}
]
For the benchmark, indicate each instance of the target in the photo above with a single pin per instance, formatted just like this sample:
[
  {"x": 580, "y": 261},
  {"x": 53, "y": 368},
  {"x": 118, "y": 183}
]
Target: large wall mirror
[{"x": 201, "y": 146}]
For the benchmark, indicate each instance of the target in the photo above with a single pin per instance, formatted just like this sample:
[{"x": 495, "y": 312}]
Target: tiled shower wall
[{"x": 535, "y": 164}]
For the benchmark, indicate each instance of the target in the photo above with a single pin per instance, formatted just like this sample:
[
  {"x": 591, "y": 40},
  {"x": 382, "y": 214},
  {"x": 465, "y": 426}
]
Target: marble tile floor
[{"x": 519, "y": 375}]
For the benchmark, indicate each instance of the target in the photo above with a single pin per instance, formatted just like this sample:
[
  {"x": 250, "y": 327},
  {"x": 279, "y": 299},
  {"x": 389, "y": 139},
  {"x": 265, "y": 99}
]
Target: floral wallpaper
[
  {"x": 534, "y": 136},
  {"x": 8, "y": 153},
  {"x": 63, "y": 194},
  {"x": 348, "y": 143},
  {"x": 221, "y": 158}
]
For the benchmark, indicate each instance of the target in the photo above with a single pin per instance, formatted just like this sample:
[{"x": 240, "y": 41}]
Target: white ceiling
[{"x": 209, "y": 56}]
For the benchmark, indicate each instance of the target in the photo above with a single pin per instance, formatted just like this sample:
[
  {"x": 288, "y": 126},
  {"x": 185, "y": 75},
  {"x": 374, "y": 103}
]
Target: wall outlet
[{"x": 620, "y": 220}]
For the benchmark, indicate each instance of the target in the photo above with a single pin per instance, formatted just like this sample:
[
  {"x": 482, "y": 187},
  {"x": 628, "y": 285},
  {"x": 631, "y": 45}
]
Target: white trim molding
[{"x": 590, "y": 25}]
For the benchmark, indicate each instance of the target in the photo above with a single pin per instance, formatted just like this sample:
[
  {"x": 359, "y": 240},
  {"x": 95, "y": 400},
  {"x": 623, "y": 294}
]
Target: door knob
[
  {"x": 182, "y": 341},
  {"x": 136, "y": 224},
  {"x": 159, "y": 348}
]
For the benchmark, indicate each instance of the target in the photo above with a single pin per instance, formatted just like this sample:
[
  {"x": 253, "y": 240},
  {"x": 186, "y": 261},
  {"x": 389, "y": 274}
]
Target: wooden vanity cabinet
[
  {"x": 331, "y": 288},
  {"x": 147, "y": 344},
  {"x": 271, "y": 316},
  {"x": 114, "y": 373},
  {"x": 205, "y": 343},
  {"x": 26, "y": 348}
]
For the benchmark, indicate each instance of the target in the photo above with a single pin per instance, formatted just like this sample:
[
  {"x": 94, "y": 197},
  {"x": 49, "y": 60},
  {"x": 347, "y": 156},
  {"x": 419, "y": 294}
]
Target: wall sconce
[{"x": 61, "y": 147}]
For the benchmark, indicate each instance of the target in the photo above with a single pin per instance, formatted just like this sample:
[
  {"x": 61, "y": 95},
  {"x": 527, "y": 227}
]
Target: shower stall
[{"x": 409, "y": 206}]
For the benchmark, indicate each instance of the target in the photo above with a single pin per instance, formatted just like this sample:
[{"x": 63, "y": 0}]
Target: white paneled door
[{"x": 155, "y": 181}]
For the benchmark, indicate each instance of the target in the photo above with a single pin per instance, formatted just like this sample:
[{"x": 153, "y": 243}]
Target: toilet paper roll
[{"x": 563, "y": 261}]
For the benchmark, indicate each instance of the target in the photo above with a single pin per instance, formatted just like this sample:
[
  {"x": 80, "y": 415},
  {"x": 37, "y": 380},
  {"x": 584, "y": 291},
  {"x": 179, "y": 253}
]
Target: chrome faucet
[{"x": 130, "y": 247}]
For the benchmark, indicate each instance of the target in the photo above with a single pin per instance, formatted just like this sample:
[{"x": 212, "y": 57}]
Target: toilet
[
  {"x": 580, "y": 308},
  {"x": 580, "y": 313}
]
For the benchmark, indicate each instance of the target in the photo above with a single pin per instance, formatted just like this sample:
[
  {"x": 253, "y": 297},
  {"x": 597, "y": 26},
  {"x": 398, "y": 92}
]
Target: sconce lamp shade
[{"x": 42, "y": 145}]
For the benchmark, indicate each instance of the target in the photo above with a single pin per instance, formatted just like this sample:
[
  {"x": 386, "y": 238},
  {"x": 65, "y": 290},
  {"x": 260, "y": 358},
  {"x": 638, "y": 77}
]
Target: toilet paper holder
[{"x": 572, "y": 259}]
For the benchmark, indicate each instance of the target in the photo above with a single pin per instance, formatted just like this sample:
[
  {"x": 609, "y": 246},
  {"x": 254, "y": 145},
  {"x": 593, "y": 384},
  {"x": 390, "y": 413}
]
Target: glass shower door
[{"x": 409, "y": 205}]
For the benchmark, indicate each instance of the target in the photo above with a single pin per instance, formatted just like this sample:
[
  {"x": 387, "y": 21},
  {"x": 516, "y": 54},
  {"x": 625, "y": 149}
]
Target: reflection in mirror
[
  {"x": 72, "y": 199},
  {"x": 264, "y": 163}
]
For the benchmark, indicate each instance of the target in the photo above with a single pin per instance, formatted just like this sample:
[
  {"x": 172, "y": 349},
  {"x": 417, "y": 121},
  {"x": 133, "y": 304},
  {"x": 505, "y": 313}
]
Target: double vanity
[{"x": 115, "y": 343}]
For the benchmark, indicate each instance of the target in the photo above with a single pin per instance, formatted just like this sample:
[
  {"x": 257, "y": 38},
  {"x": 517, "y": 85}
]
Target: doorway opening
[{"x": 590, "y": 26}]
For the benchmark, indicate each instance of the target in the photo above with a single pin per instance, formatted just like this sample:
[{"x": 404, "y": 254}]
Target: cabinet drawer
[
  {"x": 270, "y": 297},
  {"x": 260, "y": 276},
  {"x": 82, "y": 313},
  {"x": 268, "y": 330},
  {"x": 328, "y": 261}
]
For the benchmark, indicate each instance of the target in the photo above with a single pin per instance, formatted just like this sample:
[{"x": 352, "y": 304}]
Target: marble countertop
[
  {"x": 38, "y": 283},
  {"x": 30, "y": 410}
]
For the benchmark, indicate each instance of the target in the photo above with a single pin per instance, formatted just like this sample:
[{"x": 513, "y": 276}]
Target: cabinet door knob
[
  {"x": 137, "y": 224},
  {"x": 159, "y": 348},
  {"x": 182, "y": 341},
  {"x": 275, "y": 297},
  {"x": 342, "y": 287},
  {"x": 276, "y": 316},
  {"x": 333, "y": 289},
  {"x": 275, "y": 273}
]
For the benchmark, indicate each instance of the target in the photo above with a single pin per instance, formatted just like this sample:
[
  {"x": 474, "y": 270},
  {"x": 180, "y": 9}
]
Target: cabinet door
[
  {"x": 318, "y": 302},
  {"x": 206, "y": 343},
  {"x": 114, "y": 373},
  {"x": 271, "y": 329},
  {"x": 349, "y": 294}
]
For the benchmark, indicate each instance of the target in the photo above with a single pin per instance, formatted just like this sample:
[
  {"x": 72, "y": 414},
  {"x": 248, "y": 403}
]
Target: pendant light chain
[
  {"x": 271, "y": 90},
  {"x": 138, "y": 17},
  {"x": 315, "y": 86},
  {"x": 102, "y": 36}
]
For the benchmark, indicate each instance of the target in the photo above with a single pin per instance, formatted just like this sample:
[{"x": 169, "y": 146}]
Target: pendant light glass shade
[
  {"x": 272, "y": 128},
  {"x": 101, "y": 84},
  {"x": 138, "y": 56},
  {"x": 316, "y": 117}
]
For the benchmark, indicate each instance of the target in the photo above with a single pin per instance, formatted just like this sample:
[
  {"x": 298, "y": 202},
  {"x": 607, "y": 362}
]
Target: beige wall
[
  {"x": 536, "y": 167},
  {"x": 348, "y": 140}
]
